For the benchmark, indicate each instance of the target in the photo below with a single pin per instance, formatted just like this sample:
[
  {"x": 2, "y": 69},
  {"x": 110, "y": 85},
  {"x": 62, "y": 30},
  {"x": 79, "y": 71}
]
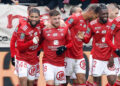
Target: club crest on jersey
[
  {"x": 113, "y": 26},
  {"x": 70, "y": 21},
  {"x": 48, "y": 34},
  {"x": 84, "y": 25},
  {"x": 56, "y": 42},
  {"x": 22, "y": 36}
]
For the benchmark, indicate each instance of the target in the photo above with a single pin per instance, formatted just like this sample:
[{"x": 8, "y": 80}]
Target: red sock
[
  {"x": 49, "y": 85},
  {"x": 88, "y": 83},
  {"x": 35, "y": 83},
  {"x": 117, "y": 83},
  {"x": 77, "y": 84}
]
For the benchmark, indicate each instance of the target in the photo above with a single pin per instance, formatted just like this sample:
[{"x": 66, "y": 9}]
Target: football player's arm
[
  {"x": 115, "y": 26},
  {"x": 68, "y": 38},
  {"x": 21, "y": 44},
  {"x": 62, "y": 49},
  {"x": 71, "y": 21},
  {"x": 108, "y": 40},
  {"x": 88, "y": 34},
  {"x": 12, "y": 44}
]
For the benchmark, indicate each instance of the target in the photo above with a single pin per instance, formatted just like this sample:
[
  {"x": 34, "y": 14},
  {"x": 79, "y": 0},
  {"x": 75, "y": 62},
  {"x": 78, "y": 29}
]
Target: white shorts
[
  {"x": 73, "y": 76},
  {"x": 56, "y": 73},
  {"x": 117, "y": 65},
  {"x": 100, "y": 68},
  {"x": 75, "y": 66},
  {"x": 90, "y": 64},
  {"x": 23, "y": 69}
]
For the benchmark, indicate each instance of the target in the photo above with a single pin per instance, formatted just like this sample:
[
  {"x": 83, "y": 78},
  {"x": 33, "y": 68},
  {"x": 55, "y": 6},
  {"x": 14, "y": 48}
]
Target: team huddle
[{"x": 62, "y": 44}]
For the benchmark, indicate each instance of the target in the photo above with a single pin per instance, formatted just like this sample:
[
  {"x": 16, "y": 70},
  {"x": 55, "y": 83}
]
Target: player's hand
[
  {"x": 36, "y": 40},
  {"x": 60, "y": 50},
  {"x": 62, "y": 23},
  {"x": 13, "y": 61},
  {"x": 111, "y": 62},
  {"x": 117, "y": 51},
  {"x": 80, "y": 35}
]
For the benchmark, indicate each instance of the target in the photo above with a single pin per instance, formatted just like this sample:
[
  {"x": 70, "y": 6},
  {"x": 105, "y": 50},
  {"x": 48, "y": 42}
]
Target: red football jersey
[
  {"x": 54, "y": 38},
  {"x": 14, "y": 37},
  {"x": 101, "y": 50},
  {"x": 113, "y": 37},
  {"x": 76, "y": 23},
  {"x": 26, "y": 49}
]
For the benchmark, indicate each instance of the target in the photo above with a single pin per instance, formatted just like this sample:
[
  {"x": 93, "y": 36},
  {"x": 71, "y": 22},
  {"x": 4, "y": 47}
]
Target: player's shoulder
[
  {"x": 93, "y": 22},
  {"x": 117, "y": 19},
  {"x": 23, "y": 19}
]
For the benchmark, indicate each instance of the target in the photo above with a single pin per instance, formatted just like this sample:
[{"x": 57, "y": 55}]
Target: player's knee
[
  {"x": 118, "y": 78},
  {"x": 97, "y": 80},
  {"x": 23, "y": 80},
  {"x": 81, "y": 78},
  {"x": 111, "y": 79}
]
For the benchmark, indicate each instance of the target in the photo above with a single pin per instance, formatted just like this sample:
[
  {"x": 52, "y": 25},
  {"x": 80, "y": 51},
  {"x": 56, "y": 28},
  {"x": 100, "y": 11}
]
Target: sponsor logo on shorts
[
  {"x": 32, "y": 71},
  {"x": 60, "y": 75},
  {"x": 83, "y": 64}
]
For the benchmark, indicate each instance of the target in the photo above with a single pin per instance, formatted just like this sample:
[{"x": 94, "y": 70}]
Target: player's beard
[
  {"x": 34, "y": 25},
  {"x": 54, "y": 25},
  {"x": 104, "y": 21}
]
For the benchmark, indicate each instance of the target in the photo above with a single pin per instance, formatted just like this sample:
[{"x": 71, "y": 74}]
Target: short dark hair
[
  {"x": 54, "y": 13},
  {"x": 72, "y": 10},
  {"x": 94, "y": 7},
  {"x": 34, "y": 10}
]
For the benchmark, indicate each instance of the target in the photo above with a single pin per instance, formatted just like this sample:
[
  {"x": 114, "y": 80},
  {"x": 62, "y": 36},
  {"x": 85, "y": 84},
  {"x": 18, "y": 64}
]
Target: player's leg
[
  {"x": 69, "y": 64},
  {"x": 90, "y": 77},
  {"x": 111, "y": 73},
  {"x": 73, "y": 78},
  {"x": 117, "y": 65},
  {"x": 37, "y": 74},
  {"x": 60, "y": 76},
  {"x": 80, "y": 70},
  {"x": 98, "y": 69},
  {"x": 48, "y": 70},
  {"x": 21, "y": 69},
  {"x": 32, "y": 73}
]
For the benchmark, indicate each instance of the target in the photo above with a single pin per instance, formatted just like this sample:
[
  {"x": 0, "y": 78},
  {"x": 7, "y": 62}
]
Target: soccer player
[
  {"x": 101, "y": 51},
  {"x": 28, "y": 38},
  {"x": 56, "y": 40},
  {"x": 14, "y": 39},
  {"x": 112, "y": 39},
  {"x": 75, "y": 61}
]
